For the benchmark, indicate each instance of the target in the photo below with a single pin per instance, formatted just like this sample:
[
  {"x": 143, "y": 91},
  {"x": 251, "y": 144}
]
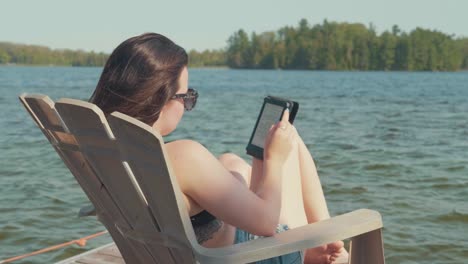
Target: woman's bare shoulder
[
  {"x": 189, "y": 158},
  {"x": 185, "y": 163},
  {"x": 185, "y": 147}
]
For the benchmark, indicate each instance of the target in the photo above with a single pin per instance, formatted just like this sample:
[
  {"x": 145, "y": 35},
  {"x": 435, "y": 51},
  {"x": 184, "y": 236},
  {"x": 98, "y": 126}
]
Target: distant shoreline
[
  {"x": 329, "y": 46},
  {"x": 238, "y": 69}
]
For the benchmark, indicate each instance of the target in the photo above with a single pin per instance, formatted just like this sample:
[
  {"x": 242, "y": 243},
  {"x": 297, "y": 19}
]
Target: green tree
[
  {"x": 463, "y": 47},
  {"x": 344, "y": 46},
  {"x": 396, "y": 30},
  {"x": 403, "y": 51},
  {"x": 237, "y": 52},
  {"x": 39, "y": 55},
  {"x": 387, "y": 51},
  {"x": 4, "y": 57}
]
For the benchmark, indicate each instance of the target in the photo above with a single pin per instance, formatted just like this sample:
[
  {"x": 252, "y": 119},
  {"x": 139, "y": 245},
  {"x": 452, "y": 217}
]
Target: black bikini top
[{"x": 202, "y": 218}]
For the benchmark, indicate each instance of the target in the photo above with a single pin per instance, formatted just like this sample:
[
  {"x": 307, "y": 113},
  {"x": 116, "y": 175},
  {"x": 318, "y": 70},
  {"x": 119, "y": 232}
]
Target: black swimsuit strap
[{"x": 202, "y": 218}]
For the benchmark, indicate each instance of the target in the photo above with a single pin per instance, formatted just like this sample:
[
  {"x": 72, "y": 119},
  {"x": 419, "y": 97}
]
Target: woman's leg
[
  {"x": 303, "y": 201},
  {"x": 293, "y": 211},
  {"x": 292, "y": 207},
  {"x": 315, "y": 205},
  {"x": 237, "y": 166},
  {"x": 300, "y": 163}
]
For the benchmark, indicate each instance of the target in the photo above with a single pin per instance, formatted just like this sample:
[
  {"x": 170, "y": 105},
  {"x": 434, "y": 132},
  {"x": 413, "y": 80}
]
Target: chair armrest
[
  {"x": 312, "y": 235},
  {"x": 87, "y": 210}
]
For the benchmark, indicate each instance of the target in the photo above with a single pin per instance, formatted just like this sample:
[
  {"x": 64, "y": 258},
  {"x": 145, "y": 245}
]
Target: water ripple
[
  {"x": 454, "y": 216},
  {"x": 393, "y": 142}
]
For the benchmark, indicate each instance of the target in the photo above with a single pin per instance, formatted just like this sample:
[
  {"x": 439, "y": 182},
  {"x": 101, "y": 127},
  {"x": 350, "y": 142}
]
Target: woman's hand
[{"x": 279, "y": 141}]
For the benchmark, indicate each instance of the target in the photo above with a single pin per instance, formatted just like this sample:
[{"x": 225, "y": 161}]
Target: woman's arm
[{"x": 205, "y": 180}]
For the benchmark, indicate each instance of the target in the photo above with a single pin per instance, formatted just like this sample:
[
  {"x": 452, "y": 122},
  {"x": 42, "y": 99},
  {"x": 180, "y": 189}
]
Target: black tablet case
[{"x": 257, "y": 151}]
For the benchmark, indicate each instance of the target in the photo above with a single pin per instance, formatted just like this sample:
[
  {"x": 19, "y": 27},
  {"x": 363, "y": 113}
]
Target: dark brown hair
[{"x": 140, "y": 76}]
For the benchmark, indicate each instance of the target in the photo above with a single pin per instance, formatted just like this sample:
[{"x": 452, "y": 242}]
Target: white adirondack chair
[{"x": 121, "y": 165}]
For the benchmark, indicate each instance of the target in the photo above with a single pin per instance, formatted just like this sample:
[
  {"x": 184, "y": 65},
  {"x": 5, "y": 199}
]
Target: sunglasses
[{"x": 190, "y": 98}]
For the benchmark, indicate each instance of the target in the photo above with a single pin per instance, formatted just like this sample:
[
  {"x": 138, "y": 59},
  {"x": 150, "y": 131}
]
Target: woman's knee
[
  {"x": 231, "y": 160},
  {"x": 237, "y": 166}
]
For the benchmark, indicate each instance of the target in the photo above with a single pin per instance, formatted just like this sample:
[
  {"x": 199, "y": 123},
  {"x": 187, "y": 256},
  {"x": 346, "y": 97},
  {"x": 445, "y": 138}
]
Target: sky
[{"x": 100, "y": 25}]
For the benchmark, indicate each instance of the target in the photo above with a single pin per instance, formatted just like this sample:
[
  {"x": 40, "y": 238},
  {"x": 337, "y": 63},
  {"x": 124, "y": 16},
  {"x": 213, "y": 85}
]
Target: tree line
[
  {"x": 345, "y": 46},
  {"x": 325, "y": 46},
  {"x": 11, "y": 53}
]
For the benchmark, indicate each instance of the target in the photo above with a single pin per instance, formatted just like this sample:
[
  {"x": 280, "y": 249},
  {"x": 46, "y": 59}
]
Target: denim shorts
[{"x": 291, "y": 258}]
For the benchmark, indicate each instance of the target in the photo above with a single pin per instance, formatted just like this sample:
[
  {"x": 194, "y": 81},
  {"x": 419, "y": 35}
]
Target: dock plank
[
  {"x": 99, "y": 258},
  {"x": 111, "y": 251},
  {"x": 107, "y": 254},
  {"x": 110, "y": 254}
]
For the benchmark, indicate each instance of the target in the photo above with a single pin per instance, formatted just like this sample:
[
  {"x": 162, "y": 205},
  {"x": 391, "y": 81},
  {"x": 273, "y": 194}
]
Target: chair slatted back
[
  {"x": 42, "y": 110},
  {"x": 144, "y": 151},
  {"x": 133, "y": 171}
]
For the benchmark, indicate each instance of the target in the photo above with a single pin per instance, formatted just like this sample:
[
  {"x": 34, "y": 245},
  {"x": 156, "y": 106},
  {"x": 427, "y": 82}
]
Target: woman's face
[{"x": 173, "y": 110}]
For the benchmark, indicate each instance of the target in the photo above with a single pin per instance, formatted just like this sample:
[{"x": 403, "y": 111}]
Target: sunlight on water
[{"x": 392, "y": 142}]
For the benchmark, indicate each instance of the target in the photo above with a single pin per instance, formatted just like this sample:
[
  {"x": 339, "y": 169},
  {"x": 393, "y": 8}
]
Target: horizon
[
  {"x": 223, "y": 48},
  {"x": 207, "y": 25}
]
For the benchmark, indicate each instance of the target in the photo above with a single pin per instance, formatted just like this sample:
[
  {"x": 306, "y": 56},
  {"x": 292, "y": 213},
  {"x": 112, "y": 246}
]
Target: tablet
[{"x": 271, "y": 112}]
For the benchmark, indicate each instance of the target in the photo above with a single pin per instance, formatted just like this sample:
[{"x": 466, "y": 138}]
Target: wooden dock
[{"x": 107, "y": 254}]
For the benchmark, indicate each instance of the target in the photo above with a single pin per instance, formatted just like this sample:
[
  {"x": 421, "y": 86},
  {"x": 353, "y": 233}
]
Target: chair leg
[{"x": 367, "y": 248}]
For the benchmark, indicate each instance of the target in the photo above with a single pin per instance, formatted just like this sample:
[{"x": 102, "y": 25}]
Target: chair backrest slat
[
  {"x": 143, "y": 149},
  {"x": 102, "y": 149},
  {"x": 42, "y": 110}
]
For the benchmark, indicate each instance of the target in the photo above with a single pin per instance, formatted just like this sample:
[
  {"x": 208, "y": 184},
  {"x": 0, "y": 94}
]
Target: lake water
[{"x": 393, "y": 142}]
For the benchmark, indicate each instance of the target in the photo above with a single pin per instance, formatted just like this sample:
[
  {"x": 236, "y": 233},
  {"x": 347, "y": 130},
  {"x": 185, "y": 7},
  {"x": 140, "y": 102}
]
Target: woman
[{"x": 228, "y": 200}]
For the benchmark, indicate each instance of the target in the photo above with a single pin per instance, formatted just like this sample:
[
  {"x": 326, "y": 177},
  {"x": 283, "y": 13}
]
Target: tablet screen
[{"x": 270, "y": 115}]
